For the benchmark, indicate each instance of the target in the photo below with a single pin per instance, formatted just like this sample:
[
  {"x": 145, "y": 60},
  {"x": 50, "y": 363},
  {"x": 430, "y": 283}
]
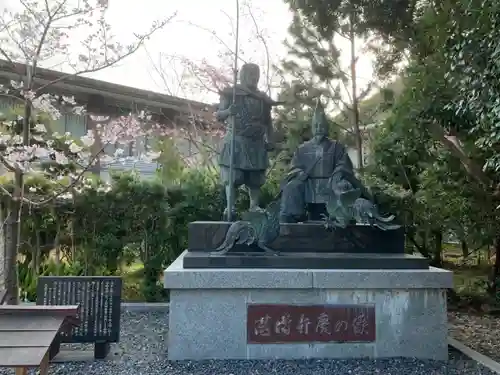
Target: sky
[{"x": 189, "y": 35}]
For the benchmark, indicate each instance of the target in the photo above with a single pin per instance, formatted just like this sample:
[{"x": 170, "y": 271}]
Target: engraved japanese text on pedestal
[{"x": 267, "y": 324}]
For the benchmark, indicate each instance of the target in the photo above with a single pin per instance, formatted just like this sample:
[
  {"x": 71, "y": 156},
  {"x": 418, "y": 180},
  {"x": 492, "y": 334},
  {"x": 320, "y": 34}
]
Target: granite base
[{"x": 208, "y": 311}]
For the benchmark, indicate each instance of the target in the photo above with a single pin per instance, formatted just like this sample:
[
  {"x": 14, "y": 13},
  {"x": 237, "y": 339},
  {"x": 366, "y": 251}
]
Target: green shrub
[{"x": 106, "y": 228}]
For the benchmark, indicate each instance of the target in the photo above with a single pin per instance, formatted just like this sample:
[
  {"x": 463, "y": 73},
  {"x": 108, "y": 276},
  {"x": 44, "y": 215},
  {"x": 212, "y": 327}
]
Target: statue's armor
[
  {"x": 312, "y": 178},
  {"x": 251, "y": 117},
  {"x": 321, "y": 157},
  {"x": 320, "y": 160},
  {"x": 251, "y": 127}
]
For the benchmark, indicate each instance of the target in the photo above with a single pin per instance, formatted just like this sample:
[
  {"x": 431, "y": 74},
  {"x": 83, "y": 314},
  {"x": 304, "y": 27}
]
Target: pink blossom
[{"x": 16, "y": 85}]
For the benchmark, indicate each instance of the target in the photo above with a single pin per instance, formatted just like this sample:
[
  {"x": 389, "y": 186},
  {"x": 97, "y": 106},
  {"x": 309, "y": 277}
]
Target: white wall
[
  {"x": 352, "y": 152},
  {"x": 189, "y": 151}
]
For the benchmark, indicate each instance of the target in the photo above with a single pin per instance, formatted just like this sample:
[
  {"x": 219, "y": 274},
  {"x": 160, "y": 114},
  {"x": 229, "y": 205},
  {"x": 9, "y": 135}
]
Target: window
[
  {"x": 74, "y": 124},
  {"x": 5, "y": 105}
]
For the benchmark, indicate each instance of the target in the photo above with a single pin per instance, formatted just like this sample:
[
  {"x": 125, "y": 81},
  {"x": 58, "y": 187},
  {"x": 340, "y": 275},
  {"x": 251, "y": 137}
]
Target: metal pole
[{"x": 230, "y": 196}]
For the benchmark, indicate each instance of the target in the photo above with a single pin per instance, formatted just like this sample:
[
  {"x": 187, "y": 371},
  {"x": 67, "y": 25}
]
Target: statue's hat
[{"x": 319, "y": 116}]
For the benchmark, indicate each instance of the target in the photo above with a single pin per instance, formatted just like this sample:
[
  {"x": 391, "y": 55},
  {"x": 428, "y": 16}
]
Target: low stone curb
[
  {"x": 135, "y": 306},
  {"x": 145, "y": 306},
  {"x": 476, "y": 356}
]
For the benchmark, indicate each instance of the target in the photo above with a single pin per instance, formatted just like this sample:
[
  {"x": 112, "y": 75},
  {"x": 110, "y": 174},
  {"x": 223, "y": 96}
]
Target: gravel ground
[
  {"x": 143, "y": 350},
  {"x": 478, "y": 332}
]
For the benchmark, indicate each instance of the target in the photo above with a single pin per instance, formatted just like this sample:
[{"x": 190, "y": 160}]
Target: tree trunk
[
  {"x": 465, "y": 248},
  {"x": 13, "y": 225},
  {"x": 2, "y": 247},
  {"x": 495, "y": 275},
  {"x": 12, "y": 233},
  {"x": 57, "y": 246},
  {"x": 422, "y": 249},
  {"x": 38, "y": 255},
  {"x": 354, "y": 89},
  {"x": 437, "y": 258}
]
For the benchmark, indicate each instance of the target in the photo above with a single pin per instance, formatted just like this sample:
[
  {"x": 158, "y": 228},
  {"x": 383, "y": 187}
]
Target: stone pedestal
[{"x": 300, "y": 313}]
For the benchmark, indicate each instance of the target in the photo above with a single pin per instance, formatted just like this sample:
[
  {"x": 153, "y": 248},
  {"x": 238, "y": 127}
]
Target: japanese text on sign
[{"x": 317, "y": 323}]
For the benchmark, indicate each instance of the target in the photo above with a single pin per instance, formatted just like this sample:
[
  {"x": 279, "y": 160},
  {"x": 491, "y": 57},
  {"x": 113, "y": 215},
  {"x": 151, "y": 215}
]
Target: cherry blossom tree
[
  {"x": 183, "y": 76},
  {"x": 254, "y": 46},
  {"x": 73, "y": 35}
]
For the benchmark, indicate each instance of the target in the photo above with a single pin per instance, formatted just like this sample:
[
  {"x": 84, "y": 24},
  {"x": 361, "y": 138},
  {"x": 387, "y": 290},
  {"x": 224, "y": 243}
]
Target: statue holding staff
[{"x": 251, "y": 116}]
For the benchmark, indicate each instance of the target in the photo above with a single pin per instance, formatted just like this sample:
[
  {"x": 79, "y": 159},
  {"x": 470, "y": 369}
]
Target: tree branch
[
  {"x": 452, "y": 143},
  {"x": 266, "y": 47},
  {"x": 107, "y": 64}
]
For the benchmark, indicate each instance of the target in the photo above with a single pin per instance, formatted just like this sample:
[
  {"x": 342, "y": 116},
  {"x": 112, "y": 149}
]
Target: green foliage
[
  {"x": 293, "y": 122},
  {"x": 315, "y": 66},
  {"x": 390, "y": 24},
  {"x": 108, "y": 228},
  {"x": 473, "y": 26},
  {"x": 102, "y": 228},
  {"x": 318, "y": 46},
  {"x": 29, "y": 279},
  {"x": 447, "y": 87},
  {"x": 435, "y": 156},
  {"x": 170, "y": 163}
]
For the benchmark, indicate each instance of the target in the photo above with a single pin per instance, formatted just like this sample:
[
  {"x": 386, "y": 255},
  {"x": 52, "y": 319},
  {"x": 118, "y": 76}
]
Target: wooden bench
[
  {"x": 99, "y": 298},
  {"x": 27, "y": 333}
]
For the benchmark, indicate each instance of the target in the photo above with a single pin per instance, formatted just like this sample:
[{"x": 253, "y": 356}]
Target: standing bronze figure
[{"x": 252, "y": 126}]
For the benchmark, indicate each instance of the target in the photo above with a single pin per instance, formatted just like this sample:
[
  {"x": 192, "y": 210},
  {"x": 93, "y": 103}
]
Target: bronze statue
[
  {"x": 312, "y": 165},
  {"x": 252, "y": 139},
  {"x": 321, "y": 181},
  {"x": 345, "y": 205},
  {"x": 259, "y": 228},
  {"x": 321, "y": 175}
]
